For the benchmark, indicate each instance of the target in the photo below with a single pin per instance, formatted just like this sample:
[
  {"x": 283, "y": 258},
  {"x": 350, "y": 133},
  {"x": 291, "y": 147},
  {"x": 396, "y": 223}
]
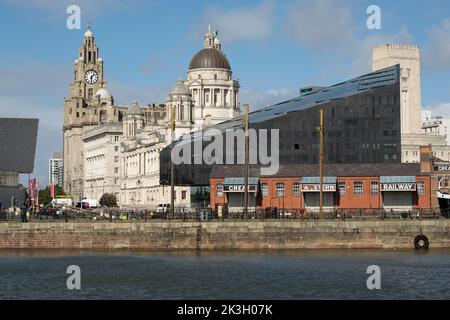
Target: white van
[{"x": 163, "y": 208}]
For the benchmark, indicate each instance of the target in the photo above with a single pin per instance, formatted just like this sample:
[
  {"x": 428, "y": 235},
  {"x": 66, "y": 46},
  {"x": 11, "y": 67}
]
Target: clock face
[{"x": 91, "y": 76}]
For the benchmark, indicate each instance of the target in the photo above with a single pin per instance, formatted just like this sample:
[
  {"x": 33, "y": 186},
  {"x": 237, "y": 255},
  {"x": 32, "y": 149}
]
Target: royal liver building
[{"x": 112, "y": 148}]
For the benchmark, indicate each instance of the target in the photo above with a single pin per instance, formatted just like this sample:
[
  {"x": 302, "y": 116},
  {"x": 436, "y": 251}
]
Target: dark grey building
[
  {"x": 362, "y": 125},
  {"x": 17, "y": 148}
]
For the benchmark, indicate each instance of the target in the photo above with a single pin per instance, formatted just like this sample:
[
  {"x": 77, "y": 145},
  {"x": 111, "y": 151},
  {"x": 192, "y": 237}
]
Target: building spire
[
  {"x": 88, "y": 33},
  {"x": 211, "y": 40}
]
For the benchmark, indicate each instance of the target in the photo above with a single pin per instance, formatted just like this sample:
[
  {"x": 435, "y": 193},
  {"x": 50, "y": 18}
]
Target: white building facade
[
  {"x": 207, "y": 97},
  {"x": 102, "y": 160},
  {"x": 435, "y": 125},
  {"x": 55, "y": 169}
]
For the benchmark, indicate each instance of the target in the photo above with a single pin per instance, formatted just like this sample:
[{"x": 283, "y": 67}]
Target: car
[
  {"x": 163, "y": 208},
  {"x": 85, "y": 205}
]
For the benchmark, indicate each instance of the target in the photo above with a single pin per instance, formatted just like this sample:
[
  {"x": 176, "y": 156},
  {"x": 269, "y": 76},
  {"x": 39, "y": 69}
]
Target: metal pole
[
  {"x": 172, "y": 167},
  {"x": 246, "y": 164},
  {"x": 321, "y": 163}
]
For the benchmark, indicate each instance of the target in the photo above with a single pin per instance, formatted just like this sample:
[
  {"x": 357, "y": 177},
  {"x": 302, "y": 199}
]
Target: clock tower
[{"x": 82, "y": 111}]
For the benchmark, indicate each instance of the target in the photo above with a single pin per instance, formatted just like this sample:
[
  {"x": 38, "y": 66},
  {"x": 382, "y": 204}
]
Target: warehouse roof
[
  {"x": 335, "y": 169},
  {"x": 18, "y": 144}
]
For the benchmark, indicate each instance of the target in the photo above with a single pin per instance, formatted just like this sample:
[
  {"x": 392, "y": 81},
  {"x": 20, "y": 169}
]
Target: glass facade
[{"x": 361, "y": 122}]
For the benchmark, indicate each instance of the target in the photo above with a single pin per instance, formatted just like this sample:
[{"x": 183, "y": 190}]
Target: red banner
[{"x": 52, "y": 190}]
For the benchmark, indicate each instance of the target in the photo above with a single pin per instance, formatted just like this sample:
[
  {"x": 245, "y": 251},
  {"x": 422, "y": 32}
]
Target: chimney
[{"x": 426, "y": 159}]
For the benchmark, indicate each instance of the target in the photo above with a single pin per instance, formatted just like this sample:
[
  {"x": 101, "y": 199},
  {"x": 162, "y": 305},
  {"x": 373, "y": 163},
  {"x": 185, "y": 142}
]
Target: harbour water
[{"x": 307, "y": 274}]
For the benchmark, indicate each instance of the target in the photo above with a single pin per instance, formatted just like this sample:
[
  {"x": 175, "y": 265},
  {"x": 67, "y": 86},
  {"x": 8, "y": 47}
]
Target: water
[{"x": 318, "y": 274}]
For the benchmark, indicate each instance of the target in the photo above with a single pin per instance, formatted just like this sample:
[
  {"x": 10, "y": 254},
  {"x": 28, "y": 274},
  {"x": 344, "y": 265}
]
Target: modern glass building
[{"x": 361, "y": 120}]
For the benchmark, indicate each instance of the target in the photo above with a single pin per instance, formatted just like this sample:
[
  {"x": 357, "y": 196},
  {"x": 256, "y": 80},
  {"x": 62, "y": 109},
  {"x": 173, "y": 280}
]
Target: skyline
[{"x": 37, "y": 54}]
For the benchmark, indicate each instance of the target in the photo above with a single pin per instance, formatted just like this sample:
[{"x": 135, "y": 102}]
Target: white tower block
[{"x": 408, "y": 56}]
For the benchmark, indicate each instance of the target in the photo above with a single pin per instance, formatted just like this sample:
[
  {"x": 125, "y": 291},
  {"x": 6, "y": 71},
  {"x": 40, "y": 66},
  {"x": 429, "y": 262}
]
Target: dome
[
  {"x": 180, "y": 89},
  {"x": 209, "y": 58},
  {"x": 103, "y": 93},
  {"x": 88, "y": 34},
  {"x": 134, "y": 109}
]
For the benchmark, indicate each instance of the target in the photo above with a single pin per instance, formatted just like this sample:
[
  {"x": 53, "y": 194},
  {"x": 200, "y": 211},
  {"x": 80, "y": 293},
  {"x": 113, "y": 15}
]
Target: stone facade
[
  {"x": 413, "y": 134},
  {"x": 408, "y": 56},
  {"x": 387, "y": 234},
  {"x": 88, "y": 105},
  {"x": 115, "y": 148},
  {"x": 102, "y": 160}
]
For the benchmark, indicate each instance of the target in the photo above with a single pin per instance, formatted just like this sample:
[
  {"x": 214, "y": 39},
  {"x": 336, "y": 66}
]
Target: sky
[{"x": 274, "y": 47}]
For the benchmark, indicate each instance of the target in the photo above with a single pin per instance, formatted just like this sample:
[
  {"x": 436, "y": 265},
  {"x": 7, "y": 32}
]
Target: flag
[
  {"x": 30, "y": 189},
  {"x": 52, "y": 190},
  {"x": 36, "y": 192}
]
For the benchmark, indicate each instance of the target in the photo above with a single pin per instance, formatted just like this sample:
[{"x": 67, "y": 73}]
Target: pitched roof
[
  {"x": 335, "y": 169},
  {"x": 18, "y": 144}
]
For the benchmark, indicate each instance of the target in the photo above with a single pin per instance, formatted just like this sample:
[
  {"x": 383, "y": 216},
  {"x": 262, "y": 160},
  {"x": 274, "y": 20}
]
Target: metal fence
[{"x": 206, "y": 214}]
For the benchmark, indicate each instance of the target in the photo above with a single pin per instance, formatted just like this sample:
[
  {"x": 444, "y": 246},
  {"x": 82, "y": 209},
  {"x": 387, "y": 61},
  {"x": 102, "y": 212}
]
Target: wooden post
[
  {"x": 321, "y": 163},
  {"x": 246, "y": 164}
]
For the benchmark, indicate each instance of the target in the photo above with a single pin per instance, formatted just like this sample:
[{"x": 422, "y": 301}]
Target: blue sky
[{"x": 274, "y": 47}]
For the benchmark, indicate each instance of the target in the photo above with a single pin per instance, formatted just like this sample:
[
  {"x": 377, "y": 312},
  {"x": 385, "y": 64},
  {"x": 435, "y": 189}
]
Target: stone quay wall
[{"x": 223, "y": 235}]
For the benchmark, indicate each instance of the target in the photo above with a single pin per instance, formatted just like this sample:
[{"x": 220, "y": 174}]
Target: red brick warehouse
[{"x": 400, "y": 186}]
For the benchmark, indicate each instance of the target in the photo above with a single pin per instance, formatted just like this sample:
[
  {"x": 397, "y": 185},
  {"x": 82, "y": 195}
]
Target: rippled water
[{"x": 322, "y": 274}]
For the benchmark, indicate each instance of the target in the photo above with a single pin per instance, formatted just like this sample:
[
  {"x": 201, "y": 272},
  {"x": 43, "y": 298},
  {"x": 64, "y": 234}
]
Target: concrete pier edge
[{"x": 385, "y": 234}]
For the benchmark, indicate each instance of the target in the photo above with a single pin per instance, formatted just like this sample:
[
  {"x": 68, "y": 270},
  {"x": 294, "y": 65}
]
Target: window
[
  {"x": 219, "y": 190},
  {"x": 183, "y": 195},
  {"x": 296, "y": 188},
  {"x": 421, "y": 188},
  {"x": 116, "y": 148},
  {"x": 341, "y": 187},
  {"x": 116, "y": 170},
  {"x": 116, "y": 138},
  {"x": 374, "y": 188},
  {"x": 116, "y": 181},
  {"x": 174, "y": 195},
  {"x": 116, "y": 159},
  {"x": 358, "y": 188},
  {"x": 280, "y": 189},
  {"x": 264, "y": 189},
  {"x": 207, "y": 98}
]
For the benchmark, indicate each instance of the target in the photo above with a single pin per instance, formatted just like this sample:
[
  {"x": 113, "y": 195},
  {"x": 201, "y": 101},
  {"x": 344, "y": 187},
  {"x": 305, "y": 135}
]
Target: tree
[
  {"x": 108, "y": 200},
  {"x": 44, "y": 194}
]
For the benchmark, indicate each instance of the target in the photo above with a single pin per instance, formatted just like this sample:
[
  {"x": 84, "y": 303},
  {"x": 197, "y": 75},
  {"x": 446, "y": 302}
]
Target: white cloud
[
  {"x": 328, "y": 28},
  {"x": 362, "y": 56},
  {"x": 436, "y": 53},
  {"x": 321, "y": 24},
  {"x": 245, "y": 23},
  {"x": 439, "y": 109},
  {"x": 257, "y": 98}
]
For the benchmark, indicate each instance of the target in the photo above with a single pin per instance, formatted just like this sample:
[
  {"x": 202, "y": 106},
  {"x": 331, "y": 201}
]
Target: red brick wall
[
  {"x": 348, "y": 201},
  {"x": 288, "y": 201},
  {"x": 352, "y": 201}
]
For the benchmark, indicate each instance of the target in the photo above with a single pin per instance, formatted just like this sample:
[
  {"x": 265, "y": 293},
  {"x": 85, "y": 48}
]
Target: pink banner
[{"x": 52, "y": 190}]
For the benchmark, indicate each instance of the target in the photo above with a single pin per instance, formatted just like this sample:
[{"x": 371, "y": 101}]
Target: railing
[{"x": 206, "y": 214}]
